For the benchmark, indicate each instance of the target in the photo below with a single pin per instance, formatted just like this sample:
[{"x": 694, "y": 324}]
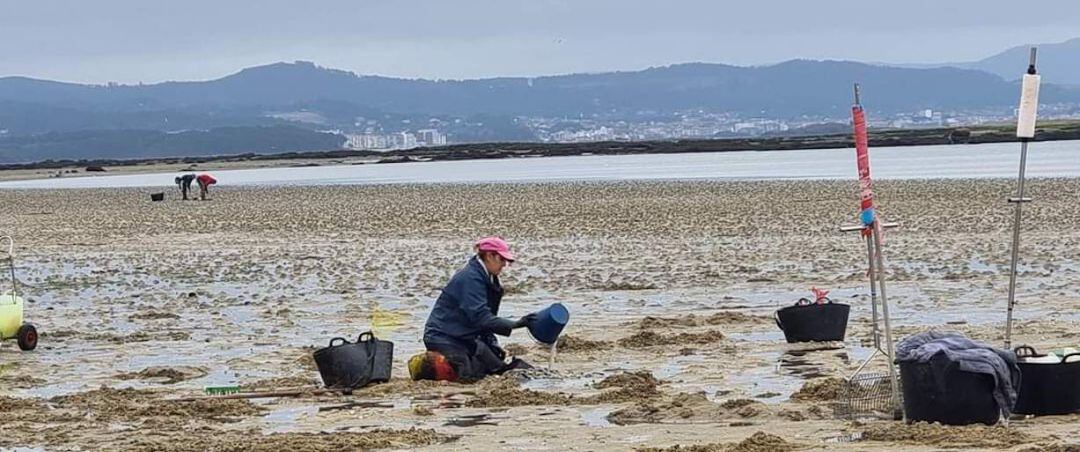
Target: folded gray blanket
[{"x": 970, "y": 356}]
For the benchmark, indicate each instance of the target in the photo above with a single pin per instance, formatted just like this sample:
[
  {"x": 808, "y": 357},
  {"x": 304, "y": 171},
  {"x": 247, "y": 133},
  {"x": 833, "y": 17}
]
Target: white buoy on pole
[
  {"x": 1025, "y": 131},
  {"x": 1029, "y": 102}
]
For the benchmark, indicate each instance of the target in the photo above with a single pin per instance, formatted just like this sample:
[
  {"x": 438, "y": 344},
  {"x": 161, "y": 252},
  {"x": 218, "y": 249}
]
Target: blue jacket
[{"x": 468, "y": 309}]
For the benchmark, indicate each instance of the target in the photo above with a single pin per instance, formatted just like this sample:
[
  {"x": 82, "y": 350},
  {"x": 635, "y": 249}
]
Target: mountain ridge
[{"x": 470, "y": 111}]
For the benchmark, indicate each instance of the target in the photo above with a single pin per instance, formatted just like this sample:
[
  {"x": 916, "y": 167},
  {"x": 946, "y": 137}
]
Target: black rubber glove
[
  {"x": 525, "y": 321},
  {"x": 502, "y": 326}
]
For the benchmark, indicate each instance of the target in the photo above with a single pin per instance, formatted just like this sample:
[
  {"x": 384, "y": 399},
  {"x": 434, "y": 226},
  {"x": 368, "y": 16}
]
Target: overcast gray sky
[{"x": 132, "y": 41}]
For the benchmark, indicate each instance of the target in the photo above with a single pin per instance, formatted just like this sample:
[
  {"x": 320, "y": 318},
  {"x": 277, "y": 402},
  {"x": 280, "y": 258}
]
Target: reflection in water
[{"x": 798, "y": 363}]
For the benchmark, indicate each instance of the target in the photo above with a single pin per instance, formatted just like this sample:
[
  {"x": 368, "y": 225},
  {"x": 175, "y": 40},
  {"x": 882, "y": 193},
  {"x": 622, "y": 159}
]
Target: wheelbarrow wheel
[{"x": 28, "y": 337}]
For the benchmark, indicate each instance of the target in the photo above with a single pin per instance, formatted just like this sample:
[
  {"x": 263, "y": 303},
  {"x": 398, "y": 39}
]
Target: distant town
[
  {"x": 695, "y": 124},
  {"x": 395, "y": 141}
]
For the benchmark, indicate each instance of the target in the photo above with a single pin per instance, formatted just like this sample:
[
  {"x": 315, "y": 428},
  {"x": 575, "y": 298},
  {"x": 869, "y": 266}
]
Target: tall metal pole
[
  {"x": 1019, "y": 201},
  {"x": 889, "y": 352},
  {"x": 11, "y": 264},
  {"x": 873, "y": 290},
  {"x": 1015, "y": 243},
  {"x": 872, "y": 225}
]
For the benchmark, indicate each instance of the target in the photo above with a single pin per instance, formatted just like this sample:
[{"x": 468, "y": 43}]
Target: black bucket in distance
[
  {"x": 813, "y": 322},
  {"x": 157, "y": 196}
]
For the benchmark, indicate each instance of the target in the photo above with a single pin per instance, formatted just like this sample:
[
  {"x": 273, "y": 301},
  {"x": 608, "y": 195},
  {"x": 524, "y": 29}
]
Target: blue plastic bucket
[{"x": 549, "y": 323}]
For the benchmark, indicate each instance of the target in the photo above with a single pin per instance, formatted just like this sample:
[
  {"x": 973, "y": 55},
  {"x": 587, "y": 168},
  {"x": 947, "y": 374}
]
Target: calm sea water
[{"x": 1046, "y": 159}]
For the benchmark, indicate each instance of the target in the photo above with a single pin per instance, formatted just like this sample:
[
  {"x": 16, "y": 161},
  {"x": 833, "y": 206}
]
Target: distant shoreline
[{"x": 1050, "y": 131}]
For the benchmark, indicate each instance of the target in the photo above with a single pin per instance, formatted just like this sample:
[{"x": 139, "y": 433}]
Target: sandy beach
[{"x": 671, "y": 288}]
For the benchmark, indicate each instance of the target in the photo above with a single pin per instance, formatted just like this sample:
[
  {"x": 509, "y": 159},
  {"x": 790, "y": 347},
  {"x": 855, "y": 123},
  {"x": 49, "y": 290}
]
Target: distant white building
[
  {"x": 403, "y": 140},
  {"x": 399, "y": 140},
  {"x": 744, "y": 127},
  {"x": 366, "y": 142},
  {"x": 584, "y": 136},
  {"x": 354, "y": 142},
  {"x": 430, "y": 137}
]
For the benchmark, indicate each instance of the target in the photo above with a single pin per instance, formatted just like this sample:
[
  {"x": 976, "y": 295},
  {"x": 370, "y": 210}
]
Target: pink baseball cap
[{"x": 495, "y": 244}]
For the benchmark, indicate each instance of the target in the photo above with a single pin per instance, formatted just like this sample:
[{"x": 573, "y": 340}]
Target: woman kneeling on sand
[{"x": 463, "y": 324}]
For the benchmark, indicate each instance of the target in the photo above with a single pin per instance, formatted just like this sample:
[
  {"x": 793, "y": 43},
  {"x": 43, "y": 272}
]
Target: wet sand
[
  {"x": 671, "y": 288},
  {"x": 154, "y": 166}
]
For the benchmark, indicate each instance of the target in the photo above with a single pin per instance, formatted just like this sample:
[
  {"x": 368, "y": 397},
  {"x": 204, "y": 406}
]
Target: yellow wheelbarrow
[{"x": 11, "y": 308}]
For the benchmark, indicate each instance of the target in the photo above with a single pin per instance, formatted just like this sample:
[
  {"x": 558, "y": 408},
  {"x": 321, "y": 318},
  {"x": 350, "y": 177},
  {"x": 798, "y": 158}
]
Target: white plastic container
[{"x": 11, "y": 315}]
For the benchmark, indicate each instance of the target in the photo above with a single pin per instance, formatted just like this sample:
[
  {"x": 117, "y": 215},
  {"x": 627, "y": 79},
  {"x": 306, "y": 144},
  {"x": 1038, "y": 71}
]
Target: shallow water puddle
[
  {"x": 771, "y": 337},
  {"x": 800, "y": 367},
  {"x": 50, "y": 391},
  {"x": 358, "y": 404},
  {"x": 284, "y": 419},
  {"x": 845, "y": 438},
  {"x": 971, "y": 312},
  {"x": 669, "y": 370},
  {"x": 552, "y": 380},
  {"x": 793, "y": 367},
  {"x": 596, "y": 417},
  {"x": 123, "y": 326},
  {"x": 219, "y": 376},
  {"x": 558, "y": 384},
  {"x": 326, "y": 305},
  {"x": 761, "y": 379},
  {"x": 677, "y": 365},
  {"x": 808, "y": 361},
  {"x": 980, "y": 266},
  {"x": 239, "y": 315},
  {"x": 636, "y": 439},
  {"x": 472, "y": 420}
]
